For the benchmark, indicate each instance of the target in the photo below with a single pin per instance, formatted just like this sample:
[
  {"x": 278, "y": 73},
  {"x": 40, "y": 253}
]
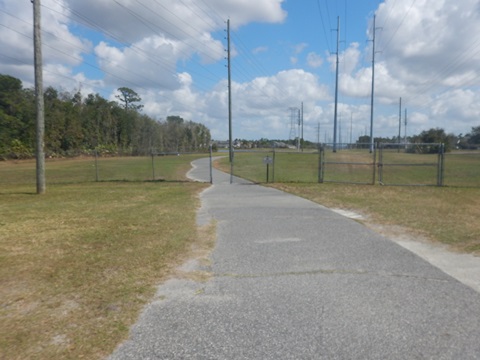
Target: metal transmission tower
[
  {"x": 301, "y": 122},
  {"x": 405, "y": 136},
  {"x": 351, "y": 121},
  {"x": 400, "y": 121},
  {"x": 298, "y": 136},
  {"x": 373, "y": 86},
  {"x": 293, "y": 122},
  {"x": 340, "y": 141},
  {"x": 336, "y": 91},
  {"x": 318, "y": 134},
  {"x": 40, "y": 123}
]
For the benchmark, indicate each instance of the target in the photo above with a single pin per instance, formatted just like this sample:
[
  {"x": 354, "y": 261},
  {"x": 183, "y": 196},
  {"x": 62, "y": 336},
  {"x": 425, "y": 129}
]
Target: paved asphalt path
[{"x": 294, "y": 280}]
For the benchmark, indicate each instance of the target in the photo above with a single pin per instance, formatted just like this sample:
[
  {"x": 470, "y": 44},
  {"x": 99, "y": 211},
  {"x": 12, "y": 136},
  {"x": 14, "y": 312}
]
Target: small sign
[{"x": 267, "y": 160}]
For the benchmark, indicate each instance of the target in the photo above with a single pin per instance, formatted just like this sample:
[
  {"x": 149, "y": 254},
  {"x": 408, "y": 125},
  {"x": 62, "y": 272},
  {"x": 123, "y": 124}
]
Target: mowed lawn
[{"x": 78, "y": 264}]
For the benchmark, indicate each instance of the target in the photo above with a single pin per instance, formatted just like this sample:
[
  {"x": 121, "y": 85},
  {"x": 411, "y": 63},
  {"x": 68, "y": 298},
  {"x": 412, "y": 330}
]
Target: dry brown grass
[{"x": 79, "y": 263}]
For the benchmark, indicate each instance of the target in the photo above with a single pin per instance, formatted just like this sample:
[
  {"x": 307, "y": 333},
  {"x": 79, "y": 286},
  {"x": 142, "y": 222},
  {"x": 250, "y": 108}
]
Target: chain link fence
[
  {"x": 410, "y": 164},
  {"x": 156, "y": 167},
  {"x": 387, "y": 164},
  {"x": 349, "y": 163}
]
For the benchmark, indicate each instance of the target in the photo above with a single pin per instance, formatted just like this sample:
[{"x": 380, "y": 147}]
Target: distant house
[{"x": 222, "y": 144}]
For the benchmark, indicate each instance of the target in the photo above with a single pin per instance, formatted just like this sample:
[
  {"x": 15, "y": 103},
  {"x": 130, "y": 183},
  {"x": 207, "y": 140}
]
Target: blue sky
[{"x": 172, "y": 52}]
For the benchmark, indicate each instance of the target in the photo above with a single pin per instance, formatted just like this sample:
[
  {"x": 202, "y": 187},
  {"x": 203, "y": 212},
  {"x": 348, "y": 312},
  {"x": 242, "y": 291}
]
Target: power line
[
  {"x": 399, "y": 25},
  {"x": 144, "y": 54},
  {"x": 212, "y": 11},
  {"x": 204, "y": 16},
  {"x": 323, "y": 26},
  {"x": 139, "y": 50},
  {"x": 145, "y": 21},
  {"x": 258, "y": 66}
]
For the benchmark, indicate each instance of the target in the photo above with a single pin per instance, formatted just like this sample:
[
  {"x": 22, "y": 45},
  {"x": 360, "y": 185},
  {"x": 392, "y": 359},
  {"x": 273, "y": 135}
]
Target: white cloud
[
  {"x": 129, "y": 21},
  {"x": 298, "y": 48},
  {"x": 350, "y": 58},
  {"x": 140, "y": 38},
  {"x": 426, "y": 55},
  {"x": 260, "y": 49},
  {"x": 150, "y": 63},
  {"x": 430, "y": 41},
  {"x": 60, "y": 46},
  {"x": 260, "y": 107},
  {"x": 314, "y": 60}
]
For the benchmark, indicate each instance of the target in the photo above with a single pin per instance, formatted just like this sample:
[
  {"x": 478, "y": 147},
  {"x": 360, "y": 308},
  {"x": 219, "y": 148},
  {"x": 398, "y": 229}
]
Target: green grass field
[
  {"x": 356, "y": 166},
  {"x": 61, "y": 171}
]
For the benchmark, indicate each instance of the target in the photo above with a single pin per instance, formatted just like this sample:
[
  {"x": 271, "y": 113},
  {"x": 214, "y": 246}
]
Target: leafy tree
[
  {"x": 435, "y": 136},
  {"x": 54, "y": 122},
  {"x": 364, "y": 139},
  {"x": 173, "y": 133},
  {"x": 10, "y": 90},
  {"x": 100, "y": 119},
  {"x": 72, "y": 134},
  {"x": 474, "y": 137},
  {"x": 175, "y": 120},
  {"x": 129, "y": 98},
  {"x": 74, "y": 124},
  {"x": 16, "y": 114}
]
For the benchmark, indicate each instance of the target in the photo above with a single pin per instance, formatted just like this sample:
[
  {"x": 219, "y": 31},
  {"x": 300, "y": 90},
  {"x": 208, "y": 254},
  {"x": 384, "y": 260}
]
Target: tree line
[
  {"x": 470, "y": 141},
  {"x": 77, "y": 125}
]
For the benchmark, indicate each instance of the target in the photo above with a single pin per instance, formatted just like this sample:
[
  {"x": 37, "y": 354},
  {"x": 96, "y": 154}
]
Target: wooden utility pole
[
  {"x": 40, "y": 123},
  {"x": 230, "y": 141}
]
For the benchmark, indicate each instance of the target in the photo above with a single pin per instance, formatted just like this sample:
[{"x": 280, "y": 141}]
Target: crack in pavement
[{"x": 327, "y": 272}]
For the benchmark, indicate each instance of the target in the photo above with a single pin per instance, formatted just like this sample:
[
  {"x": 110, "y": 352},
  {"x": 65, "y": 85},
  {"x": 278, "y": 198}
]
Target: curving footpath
[{"x": 293, "y": 280}]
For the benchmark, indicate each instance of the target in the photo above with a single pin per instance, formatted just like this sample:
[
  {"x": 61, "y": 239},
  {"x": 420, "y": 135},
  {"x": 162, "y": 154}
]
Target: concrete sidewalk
[{"x": 294, "y": 280}]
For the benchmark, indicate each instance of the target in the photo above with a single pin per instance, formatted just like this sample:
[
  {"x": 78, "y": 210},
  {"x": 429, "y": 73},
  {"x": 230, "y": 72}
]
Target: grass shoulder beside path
[
  {"x": 78, "y": 264},
  {"x": 440, "y": 214}
]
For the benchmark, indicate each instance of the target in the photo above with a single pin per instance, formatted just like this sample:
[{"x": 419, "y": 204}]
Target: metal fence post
[
  {"x": 153, "y": 167},
  {"x": 96, "y": 165},
  {"x": 211, "y": 165},
  {"x": 440, "y": 164},
  {"x": 232, "y": 157},
  {"x": 321, "y": 163},
  {"x": 380, "y": 163},
  {"x": 374, "y": 162},
  {"x": 273, "y": 165}
]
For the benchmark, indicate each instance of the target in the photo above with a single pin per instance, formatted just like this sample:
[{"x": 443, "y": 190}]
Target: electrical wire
[
  {"x": 399, "y": 26},
  {"x": 323, "y": 27},
  {"x": 148, "y": 56}
]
